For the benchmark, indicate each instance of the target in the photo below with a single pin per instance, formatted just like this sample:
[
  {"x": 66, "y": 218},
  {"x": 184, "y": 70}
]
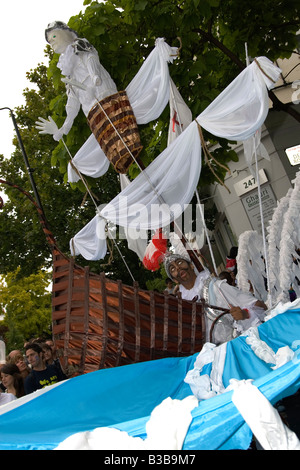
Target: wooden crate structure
[{"x": 100, "y": 323}]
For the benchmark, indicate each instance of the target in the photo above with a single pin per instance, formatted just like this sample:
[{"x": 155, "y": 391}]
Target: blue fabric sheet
[{"x": 124, "y": 397}]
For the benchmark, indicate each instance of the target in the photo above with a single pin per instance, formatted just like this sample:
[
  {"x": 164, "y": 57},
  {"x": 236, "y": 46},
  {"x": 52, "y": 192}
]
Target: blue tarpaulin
[{"x": 124, "y": 397}]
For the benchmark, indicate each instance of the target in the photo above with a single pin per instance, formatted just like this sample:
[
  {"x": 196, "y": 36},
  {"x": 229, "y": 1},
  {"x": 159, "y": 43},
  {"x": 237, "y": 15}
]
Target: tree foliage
[
  {"x": 212, "y": 34},
  {"x": 27, "y": 306}
]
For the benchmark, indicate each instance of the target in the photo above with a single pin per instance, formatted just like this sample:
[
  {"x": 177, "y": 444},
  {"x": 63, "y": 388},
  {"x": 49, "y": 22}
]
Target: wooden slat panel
[
  {"x": 86, "y": 319},
  {"x": 116, "y": 324},
  {"x": 121, "y": 325},
  {"x": 105, "y": 322},
  {"x": 137, "y": 322}
]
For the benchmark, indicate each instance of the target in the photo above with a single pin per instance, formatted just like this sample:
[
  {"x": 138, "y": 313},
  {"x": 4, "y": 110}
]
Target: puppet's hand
[
  {"x": 49, "y": 127},
  {"x": 46, "y": 127}
]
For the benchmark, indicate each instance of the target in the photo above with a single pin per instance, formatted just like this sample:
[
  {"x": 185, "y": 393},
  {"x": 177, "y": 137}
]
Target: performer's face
[
  {"x": 182, "y": 272},
  {"x": 59, "y": 40}
]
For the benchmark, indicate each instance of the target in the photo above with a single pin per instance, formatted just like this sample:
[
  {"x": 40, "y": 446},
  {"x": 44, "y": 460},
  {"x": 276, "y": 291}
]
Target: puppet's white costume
[{"x": 88, "y": 82}]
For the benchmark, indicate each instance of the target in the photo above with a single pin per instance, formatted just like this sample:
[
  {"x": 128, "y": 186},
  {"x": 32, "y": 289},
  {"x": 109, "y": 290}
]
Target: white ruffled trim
[
  {"x": 250, "y": 264},
  {"x": 290, "y": 240}
]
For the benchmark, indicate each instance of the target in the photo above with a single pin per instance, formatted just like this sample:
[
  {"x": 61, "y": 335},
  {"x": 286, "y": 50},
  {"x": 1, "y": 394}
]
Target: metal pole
[{"x": 29, "y": 170}]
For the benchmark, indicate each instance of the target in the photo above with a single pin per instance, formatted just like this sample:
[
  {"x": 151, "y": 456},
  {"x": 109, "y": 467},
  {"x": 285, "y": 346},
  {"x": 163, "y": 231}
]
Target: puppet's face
[{"x": 60, "y": 39}]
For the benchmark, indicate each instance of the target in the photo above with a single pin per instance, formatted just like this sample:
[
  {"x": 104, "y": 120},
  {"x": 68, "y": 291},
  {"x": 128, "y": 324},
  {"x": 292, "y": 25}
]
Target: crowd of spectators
[{"x": 28, "y": 371}]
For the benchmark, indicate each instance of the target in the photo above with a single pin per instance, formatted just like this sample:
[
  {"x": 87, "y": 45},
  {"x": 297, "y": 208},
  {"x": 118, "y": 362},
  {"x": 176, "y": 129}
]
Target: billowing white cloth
[
  {"x": 254, "y": 146},
  {"x": 139, "y": 206},
  {"x": 148, "y": 94},
  {"x": 240, "y": 110},
  {"x": 90, "y": 242},
  {"x": 90, "y": 160},
  {"x": 171, "y": 179},
  {"x": 166, "y": 430},
  {"x": 262, "y": 418},
  {"x": 137, "y": 239},
  {"x": 180, "y": 118}
]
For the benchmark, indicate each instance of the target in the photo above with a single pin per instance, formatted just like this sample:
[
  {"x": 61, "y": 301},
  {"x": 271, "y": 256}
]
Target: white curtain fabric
[
  {"x": 159, "y": 194},
  {"x": 148, "y": 94},
  {"x": 240, "y": 110}
]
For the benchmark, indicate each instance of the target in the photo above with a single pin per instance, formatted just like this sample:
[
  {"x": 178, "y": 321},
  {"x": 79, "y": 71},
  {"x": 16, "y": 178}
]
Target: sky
[{"x": 22, "y": 39}]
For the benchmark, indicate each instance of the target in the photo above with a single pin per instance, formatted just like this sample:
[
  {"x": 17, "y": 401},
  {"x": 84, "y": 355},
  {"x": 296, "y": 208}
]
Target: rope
[
  {"x": 262, "y": 70},
  {"x": 81, "y": 177},
  {"x": 208, "y": 156}
]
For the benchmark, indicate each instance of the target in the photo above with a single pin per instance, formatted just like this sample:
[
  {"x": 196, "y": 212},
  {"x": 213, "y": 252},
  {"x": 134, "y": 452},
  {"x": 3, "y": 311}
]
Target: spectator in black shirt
[{"x": 41, "y": 375}]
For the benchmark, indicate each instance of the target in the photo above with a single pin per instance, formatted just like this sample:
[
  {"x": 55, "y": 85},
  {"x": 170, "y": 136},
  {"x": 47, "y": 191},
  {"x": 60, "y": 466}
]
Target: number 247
[{"x": 250, "y": 182}]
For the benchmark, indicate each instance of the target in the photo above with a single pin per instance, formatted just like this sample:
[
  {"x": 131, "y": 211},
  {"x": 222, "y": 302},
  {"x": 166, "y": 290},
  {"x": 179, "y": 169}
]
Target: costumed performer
[{"x": 245, "y": 310}]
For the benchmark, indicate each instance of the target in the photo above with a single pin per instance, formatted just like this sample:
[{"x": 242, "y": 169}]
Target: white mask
[{"x": 60, "y": 39}]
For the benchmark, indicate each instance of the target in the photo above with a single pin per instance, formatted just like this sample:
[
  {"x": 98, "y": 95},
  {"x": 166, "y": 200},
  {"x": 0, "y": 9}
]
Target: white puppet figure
[
  {"x": 87, "y": 85},
  {"x": 86, "y": 79},
  {"x": 113, "y": 116}
]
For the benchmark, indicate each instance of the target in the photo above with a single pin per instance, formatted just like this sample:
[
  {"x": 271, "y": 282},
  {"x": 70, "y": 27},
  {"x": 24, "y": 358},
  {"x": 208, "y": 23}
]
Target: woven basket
[{"x": 117, "y": 107}]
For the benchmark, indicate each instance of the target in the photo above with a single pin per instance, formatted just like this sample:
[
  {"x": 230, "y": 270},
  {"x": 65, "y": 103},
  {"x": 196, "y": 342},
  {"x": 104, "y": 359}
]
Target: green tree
[{"x": 27, "y": 306}]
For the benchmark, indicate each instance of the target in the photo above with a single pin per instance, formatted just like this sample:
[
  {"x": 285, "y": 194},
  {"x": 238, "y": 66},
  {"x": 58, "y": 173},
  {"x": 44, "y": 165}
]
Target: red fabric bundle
[{"x": 155, "y": 251}]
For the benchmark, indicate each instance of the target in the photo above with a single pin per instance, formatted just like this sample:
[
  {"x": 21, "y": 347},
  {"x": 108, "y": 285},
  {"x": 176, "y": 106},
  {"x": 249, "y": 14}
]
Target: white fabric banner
[{"x": 240, "y": 110}]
